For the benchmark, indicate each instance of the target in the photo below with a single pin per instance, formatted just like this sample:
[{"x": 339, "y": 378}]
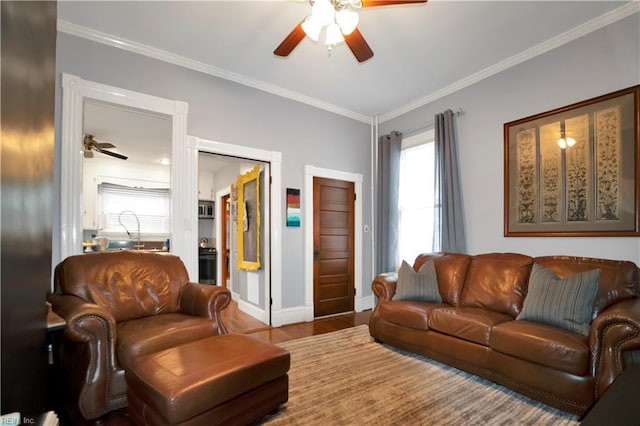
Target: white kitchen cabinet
[{"x": 205, "y": 186}]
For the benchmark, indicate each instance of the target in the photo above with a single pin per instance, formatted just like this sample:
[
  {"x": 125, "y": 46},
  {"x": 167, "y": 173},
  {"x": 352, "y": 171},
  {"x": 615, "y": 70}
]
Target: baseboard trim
[
  {"x": 252, "y": 310},
  {"x": 363, "y": 303},
  {"x": 292, "y": 315}
]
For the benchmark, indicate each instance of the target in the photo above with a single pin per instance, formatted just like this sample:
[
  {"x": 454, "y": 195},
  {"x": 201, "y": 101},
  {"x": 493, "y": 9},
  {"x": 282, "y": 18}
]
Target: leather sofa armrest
[
  {"x": 205, "y": 300},
  {"x": 94, "y": 330},
  {"x": 615, "y": 330},
  {"x": 80, "y": 315},
  {"x": 384, "y": 285}
]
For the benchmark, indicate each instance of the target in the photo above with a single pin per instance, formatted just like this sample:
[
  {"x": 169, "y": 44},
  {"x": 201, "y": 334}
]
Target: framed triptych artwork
[{"x": 574, "y": 171}]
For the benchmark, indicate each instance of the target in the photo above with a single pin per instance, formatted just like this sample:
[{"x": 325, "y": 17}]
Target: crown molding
[
  {"x": 595, "y": 24},
  {"x": 163, "y": 55},
  {"x": 550, "y": 44}
]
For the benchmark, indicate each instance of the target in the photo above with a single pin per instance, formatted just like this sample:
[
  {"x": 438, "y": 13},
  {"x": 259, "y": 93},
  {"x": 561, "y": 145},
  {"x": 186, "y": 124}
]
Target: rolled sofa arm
[
  {"x": 384, "y": 285},
  {"x": 89, "y": 373},
  {"x": 207, "y": 301},
  {"x": 615, "y": 330}
]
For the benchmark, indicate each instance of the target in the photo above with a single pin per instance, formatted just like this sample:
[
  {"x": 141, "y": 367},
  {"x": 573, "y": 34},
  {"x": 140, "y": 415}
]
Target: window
[
  {"x": 123, "y": 206},
  {"x": 415, "y": 196}
]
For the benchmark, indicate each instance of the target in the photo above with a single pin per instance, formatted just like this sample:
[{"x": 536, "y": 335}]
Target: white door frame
[
  {"x": 310, "y": 172},
  {"x": 270, "y": 312},
  {"x": 75, "y": 91}
]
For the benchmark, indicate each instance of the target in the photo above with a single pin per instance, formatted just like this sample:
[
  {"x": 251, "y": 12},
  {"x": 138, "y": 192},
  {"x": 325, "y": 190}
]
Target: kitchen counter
[{"x": 158, "y": 251}]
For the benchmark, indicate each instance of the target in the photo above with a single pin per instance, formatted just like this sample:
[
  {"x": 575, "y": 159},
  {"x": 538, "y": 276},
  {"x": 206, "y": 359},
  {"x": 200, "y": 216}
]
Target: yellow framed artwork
[{"x": 248, "y": 224}]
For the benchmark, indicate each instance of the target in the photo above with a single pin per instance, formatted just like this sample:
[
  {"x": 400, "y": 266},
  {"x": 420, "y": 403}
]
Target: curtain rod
[{"x": 458, "y": 112}]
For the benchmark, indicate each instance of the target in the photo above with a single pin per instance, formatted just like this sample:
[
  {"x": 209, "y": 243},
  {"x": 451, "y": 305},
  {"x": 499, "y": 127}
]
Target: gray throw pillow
[
  {"x": 563, "y": 302},
  {"x": 421, "y": 285}
]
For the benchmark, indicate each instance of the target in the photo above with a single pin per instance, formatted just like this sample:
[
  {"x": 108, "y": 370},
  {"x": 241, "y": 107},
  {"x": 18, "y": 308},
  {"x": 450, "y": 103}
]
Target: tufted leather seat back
[
  {"x": 498, "y": 282},
  {"x": 451, "y": 269},
  {"x": 127, "y": 284}
]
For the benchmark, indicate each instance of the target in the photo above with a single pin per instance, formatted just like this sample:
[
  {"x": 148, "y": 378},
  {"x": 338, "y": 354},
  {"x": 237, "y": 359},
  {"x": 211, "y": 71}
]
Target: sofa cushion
[
  {"x": 542, "y": 344},
  {"x": 563, "y": 302},
  {"x": 158, "y": 332},
  {"x": 472, "y": 324},
  {"x": 618, "y": 278},
  {"x": 408, "y": 313},
  {"x": 451, "y": 269},
  {"x": 421, "y": 285},
  {"x": 497, "y": 281}
]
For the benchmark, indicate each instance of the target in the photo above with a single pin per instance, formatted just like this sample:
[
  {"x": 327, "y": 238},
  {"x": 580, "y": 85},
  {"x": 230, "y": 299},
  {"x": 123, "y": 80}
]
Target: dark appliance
[
  {"x": 205, "y": 209},
  {"x": 207, "y": 265}
]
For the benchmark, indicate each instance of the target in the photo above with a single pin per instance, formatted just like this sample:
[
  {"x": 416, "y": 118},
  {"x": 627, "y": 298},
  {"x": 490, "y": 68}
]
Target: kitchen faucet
[{"x": 136, "y": 246}]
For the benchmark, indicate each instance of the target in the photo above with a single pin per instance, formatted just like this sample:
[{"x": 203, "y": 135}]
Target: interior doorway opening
[{"x": 258, "y": 293}]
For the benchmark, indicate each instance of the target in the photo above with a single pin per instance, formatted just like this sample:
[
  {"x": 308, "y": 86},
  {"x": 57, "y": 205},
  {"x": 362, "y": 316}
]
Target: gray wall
[
  {"x": 227, "y": 112},
  {"x": 598, "y": 63}
]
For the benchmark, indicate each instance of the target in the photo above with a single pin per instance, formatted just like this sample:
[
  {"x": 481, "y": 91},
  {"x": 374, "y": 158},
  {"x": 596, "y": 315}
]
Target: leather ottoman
[{"x": 225, "y": 379}]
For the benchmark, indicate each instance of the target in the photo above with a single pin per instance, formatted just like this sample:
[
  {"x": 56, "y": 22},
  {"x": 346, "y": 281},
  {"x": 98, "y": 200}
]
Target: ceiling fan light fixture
[
  {"x": 562, "y": 143},
  {"x": 565, "y": 141},
  {"x": 323, "y": 12},
  {"x": 347, "y": 20},
  {"x": 334, "y": 35},
  {"x": 311, "y": 28}
]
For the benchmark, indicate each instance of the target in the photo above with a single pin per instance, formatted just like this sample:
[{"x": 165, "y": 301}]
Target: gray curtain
[
  {"x": 387, "y": 201},
  {"x": 449, "y": 234}
]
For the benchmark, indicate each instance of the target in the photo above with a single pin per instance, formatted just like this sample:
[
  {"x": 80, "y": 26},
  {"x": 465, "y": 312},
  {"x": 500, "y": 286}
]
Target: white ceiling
[{"x": 420, "y": 50}]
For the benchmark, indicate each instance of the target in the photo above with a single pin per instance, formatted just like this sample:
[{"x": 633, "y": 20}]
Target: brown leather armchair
[{"x": 118, "y": 306}]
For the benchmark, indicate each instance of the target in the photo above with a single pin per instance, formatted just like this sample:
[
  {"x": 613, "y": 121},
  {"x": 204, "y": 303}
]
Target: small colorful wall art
[{"x": 293, "y": 207}]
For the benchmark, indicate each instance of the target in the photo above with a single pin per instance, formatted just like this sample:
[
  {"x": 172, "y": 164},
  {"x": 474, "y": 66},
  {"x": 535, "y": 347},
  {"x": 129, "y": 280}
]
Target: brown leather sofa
[
  {"x": 118, "y": 306},
  {"x": 475, "y": 327}
]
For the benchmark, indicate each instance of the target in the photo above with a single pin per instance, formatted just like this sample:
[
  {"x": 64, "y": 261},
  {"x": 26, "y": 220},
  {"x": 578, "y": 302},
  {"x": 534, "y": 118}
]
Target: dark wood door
[{"x": 333, "y": 245}]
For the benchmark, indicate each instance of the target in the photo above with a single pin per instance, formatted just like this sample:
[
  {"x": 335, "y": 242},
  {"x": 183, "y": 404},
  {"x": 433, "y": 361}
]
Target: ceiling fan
[
  {"x": 90, "y": 145},
  {"x": 341, "y": 23}
]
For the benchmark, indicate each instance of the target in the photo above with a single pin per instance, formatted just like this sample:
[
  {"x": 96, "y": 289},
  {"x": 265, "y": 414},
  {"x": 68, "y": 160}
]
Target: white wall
[
  {"x": 227, "y": 112},
  {"x": 596, "y": 64}
]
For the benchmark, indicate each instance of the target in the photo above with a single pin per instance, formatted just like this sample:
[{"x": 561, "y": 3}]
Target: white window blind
[
  {"x": 415, "y": 200},
  {"x": 121, "y": 205}
]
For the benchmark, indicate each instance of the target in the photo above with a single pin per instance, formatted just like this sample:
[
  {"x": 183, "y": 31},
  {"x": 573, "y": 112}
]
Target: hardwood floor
[{"x": 240, "y": 322}]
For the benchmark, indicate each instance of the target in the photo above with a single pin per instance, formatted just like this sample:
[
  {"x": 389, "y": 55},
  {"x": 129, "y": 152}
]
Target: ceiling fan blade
[
  {"x": 113, "y": 154},
  {"x": 358, "y": 45},
  {"x": 104, "y": 145},
  {"x": 373, "y": 3},
  {"x": 290, "y": 41}
]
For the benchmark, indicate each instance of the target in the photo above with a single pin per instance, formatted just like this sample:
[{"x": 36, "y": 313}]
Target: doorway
[
  {"x": 225, "y": 214},
  {"x": 76, "y": 92},
  {"x": 333, "y": 246},
  {"x": 268, "y": 280}
]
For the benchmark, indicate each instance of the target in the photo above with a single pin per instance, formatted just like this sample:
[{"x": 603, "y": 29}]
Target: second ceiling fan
[
  {"x": 90, "y": 144},
  {"x": 341, "y": 25}
]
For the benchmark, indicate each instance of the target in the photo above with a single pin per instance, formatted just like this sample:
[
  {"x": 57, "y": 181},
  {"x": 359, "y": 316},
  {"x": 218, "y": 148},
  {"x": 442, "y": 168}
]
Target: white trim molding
[
  {"x": 360, "y": 303},
  {"x": 594, "y": 24},
  {"x": 75, "y": 91},
  {"x": 163, "y": 55},
  {"x": 588, "y": 27},
  {"x": 273, "y": 239}
]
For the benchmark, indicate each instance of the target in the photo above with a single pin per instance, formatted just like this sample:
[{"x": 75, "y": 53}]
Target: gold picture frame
[
  {"x": 574, "y": 171},
  {"x": 248, "y": 224}
]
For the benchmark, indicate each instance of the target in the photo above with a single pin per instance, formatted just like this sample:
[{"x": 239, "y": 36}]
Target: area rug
[{"x": 345, "y": 378}]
